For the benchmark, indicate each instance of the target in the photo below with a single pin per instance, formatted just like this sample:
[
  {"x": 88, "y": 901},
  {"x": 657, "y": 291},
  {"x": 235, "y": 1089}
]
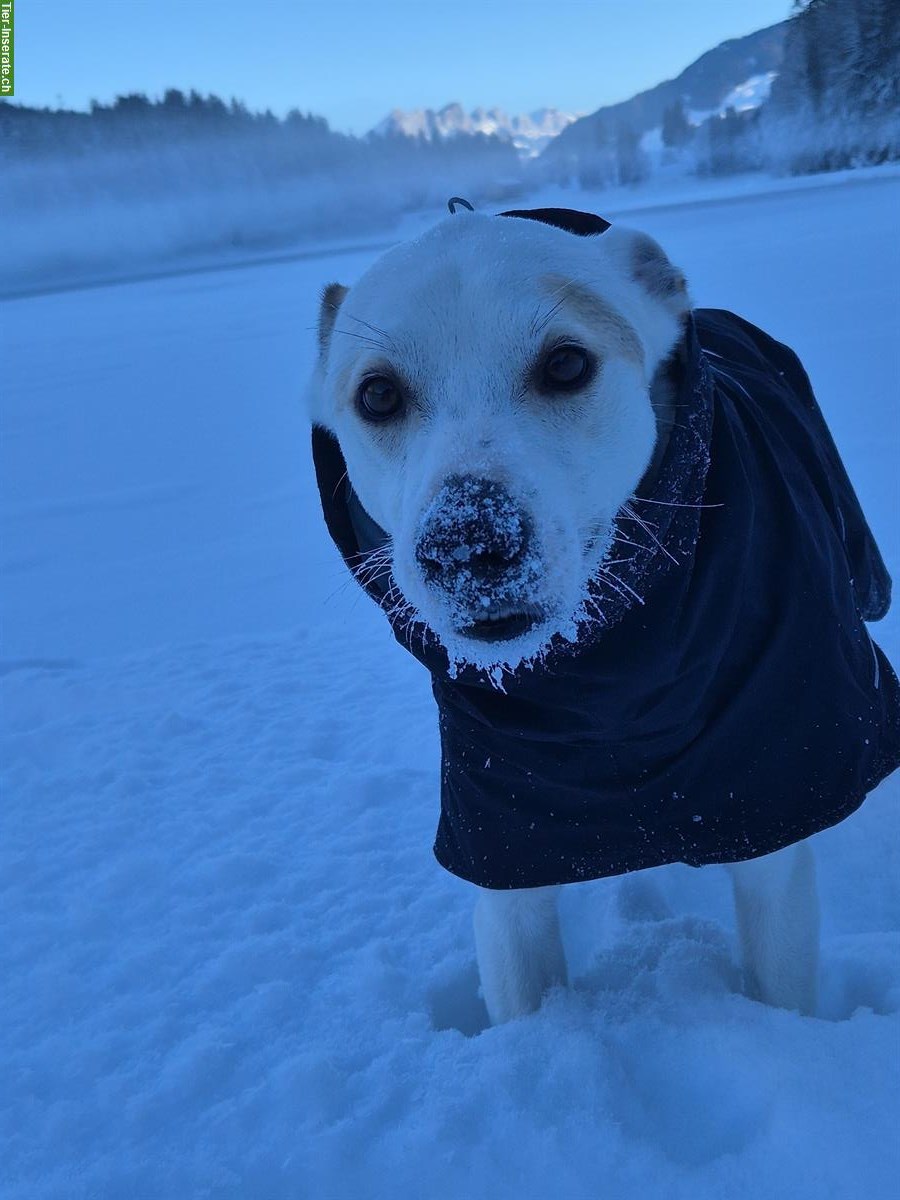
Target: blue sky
[{"x": 353, "y": 62}]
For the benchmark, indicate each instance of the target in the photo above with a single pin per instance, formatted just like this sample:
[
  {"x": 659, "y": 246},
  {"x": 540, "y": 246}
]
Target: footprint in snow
[
  {"x": 864, "y": 977},
  {"x": 455, "y": 1003}
]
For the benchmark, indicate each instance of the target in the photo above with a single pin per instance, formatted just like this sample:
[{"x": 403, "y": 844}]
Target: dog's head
[{"x": 489, "y": 385}]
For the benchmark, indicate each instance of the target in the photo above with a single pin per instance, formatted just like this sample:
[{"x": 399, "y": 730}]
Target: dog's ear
[
  {"x": 332, "y": 298},
  {"x": 651, "y": 268}
]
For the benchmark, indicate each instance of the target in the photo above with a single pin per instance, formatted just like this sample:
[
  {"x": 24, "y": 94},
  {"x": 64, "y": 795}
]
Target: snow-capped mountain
[
  {"x": 528, "y": 132},
  {"x": 737, "y": 73},
  {"x": 751, "y": 93},
  {"x": 745, "y": 96}
]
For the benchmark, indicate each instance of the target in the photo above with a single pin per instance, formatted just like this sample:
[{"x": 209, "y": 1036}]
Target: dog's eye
[
  {"x": 565, "y": 368},
  {"x": 379, "y": 398}
]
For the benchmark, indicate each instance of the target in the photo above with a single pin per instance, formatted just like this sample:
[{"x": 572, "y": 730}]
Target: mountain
[
  {"x": 750, "y": 94},
  {"x": 737, "y": 72},
  {"x": 530, "y": 132}
]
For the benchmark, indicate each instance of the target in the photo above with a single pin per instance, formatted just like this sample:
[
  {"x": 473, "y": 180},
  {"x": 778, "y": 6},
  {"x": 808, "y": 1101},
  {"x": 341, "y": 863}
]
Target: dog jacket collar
[
  {"x": 737, "y": 706},
  {"x": 584, "y": 224}
]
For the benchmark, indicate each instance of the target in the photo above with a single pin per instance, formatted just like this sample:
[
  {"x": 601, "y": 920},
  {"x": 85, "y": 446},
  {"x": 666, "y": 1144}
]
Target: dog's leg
[
  {"x": 519, "y": 948},
  {"x": 777, "y": 911}
]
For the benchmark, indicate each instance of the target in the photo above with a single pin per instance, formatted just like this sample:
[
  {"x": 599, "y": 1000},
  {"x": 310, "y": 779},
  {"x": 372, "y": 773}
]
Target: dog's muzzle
[{"x": 476, "y": 548}]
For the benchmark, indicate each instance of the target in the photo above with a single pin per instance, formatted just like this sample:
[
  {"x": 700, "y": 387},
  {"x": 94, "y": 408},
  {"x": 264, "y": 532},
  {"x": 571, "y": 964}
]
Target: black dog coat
[{"x": 739, "y": 707}]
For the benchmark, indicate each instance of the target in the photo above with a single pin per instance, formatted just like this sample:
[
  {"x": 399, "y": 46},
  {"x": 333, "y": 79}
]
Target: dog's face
[{"x": 489, "y": 385}]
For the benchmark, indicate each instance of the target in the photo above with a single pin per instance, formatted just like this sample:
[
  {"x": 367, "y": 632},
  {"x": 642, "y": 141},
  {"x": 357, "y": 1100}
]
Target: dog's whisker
[
  {"x": 371, "y": 325},
  {"x": 387, "y": 342},
  {"x": 675, "y": 503},
  {"x": 538, "y": 324},
  {"x": 338, "y": 591},
  {"x": 338, "y": 484},
  {"x": 601, "y": 537},
  {"x": 371, "y": 576},
  {"x": 361, "y": 337},
  {"x": 630, "y": 514},
  {"x": 371, "y": 573},
  {"x": 384, "y": 548},
  {"x": 621, "y": 582},
  {"x": 730, "y": 378},
  {"x": 367, "y": 559},
  {"x": 676, "y": 425},
  {"x": 548, "y": 317},
  {"x": 600, "y": 616},
  {"x": 371, "y": 568},
  {"x": 609, "y": 583},
  {"x": 397, "y": 608},
  {"x": 357, "y": 576},
  {"x": 379, "y": 555}
]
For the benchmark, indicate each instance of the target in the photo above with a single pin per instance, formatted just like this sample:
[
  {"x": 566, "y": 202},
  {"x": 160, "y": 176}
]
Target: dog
[{"x": 556, "y": 478}]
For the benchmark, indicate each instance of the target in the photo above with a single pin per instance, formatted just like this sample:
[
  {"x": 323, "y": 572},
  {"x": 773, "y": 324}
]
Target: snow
[
  {"x": 530, "y": 132},
  {"x": 231, "y": 967},
  {"x": 749, "y": 94},
  {"x": 745, "y": 96}
]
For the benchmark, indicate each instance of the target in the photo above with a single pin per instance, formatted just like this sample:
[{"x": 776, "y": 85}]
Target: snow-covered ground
[{"x": 230, "y": 966}]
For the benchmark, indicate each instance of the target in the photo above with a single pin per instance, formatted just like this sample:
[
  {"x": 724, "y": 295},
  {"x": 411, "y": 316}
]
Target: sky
[{"x": 353, "y": 62}]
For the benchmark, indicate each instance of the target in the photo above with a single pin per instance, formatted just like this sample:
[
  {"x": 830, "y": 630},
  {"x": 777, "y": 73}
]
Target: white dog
[{"x": 498, "y": 389}]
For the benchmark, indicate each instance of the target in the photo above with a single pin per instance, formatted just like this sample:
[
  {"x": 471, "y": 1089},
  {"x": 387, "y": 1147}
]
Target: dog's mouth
[{"x": 503, "y": 622}]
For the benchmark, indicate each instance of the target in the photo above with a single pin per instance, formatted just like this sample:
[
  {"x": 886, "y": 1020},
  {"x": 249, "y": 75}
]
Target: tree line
[{"x": 297, "y": 142}]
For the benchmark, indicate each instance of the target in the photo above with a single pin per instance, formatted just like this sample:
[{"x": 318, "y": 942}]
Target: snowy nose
[{"x": 472, "y": 527}]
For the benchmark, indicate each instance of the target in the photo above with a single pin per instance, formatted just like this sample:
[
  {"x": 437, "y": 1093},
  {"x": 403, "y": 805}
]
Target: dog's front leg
[
  {"x": 777, "y": 911},
  {"x": 519, "y": 948}
]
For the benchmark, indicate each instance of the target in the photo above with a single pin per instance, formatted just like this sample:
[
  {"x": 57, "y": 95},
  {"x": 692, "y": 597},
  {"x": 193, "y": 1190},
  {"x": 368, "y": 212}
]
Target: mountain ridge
[
  {"x": 529, "y": 132},
  {"x": 707, "y": 83},
  {"x": 701, "y": 86}
]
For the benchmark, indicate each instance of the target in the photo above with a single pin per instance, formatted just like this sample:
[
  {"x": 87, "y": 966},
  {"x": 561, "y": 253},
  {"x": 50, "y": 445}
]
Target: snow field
[
  {"x": 229, "y": 964},
  {"x": 240, "y": 973}
]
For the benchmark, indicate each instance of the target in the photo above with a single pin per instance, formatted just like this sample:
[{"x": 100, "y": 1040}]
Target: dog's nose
[{"x": 472, "y": 524}]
